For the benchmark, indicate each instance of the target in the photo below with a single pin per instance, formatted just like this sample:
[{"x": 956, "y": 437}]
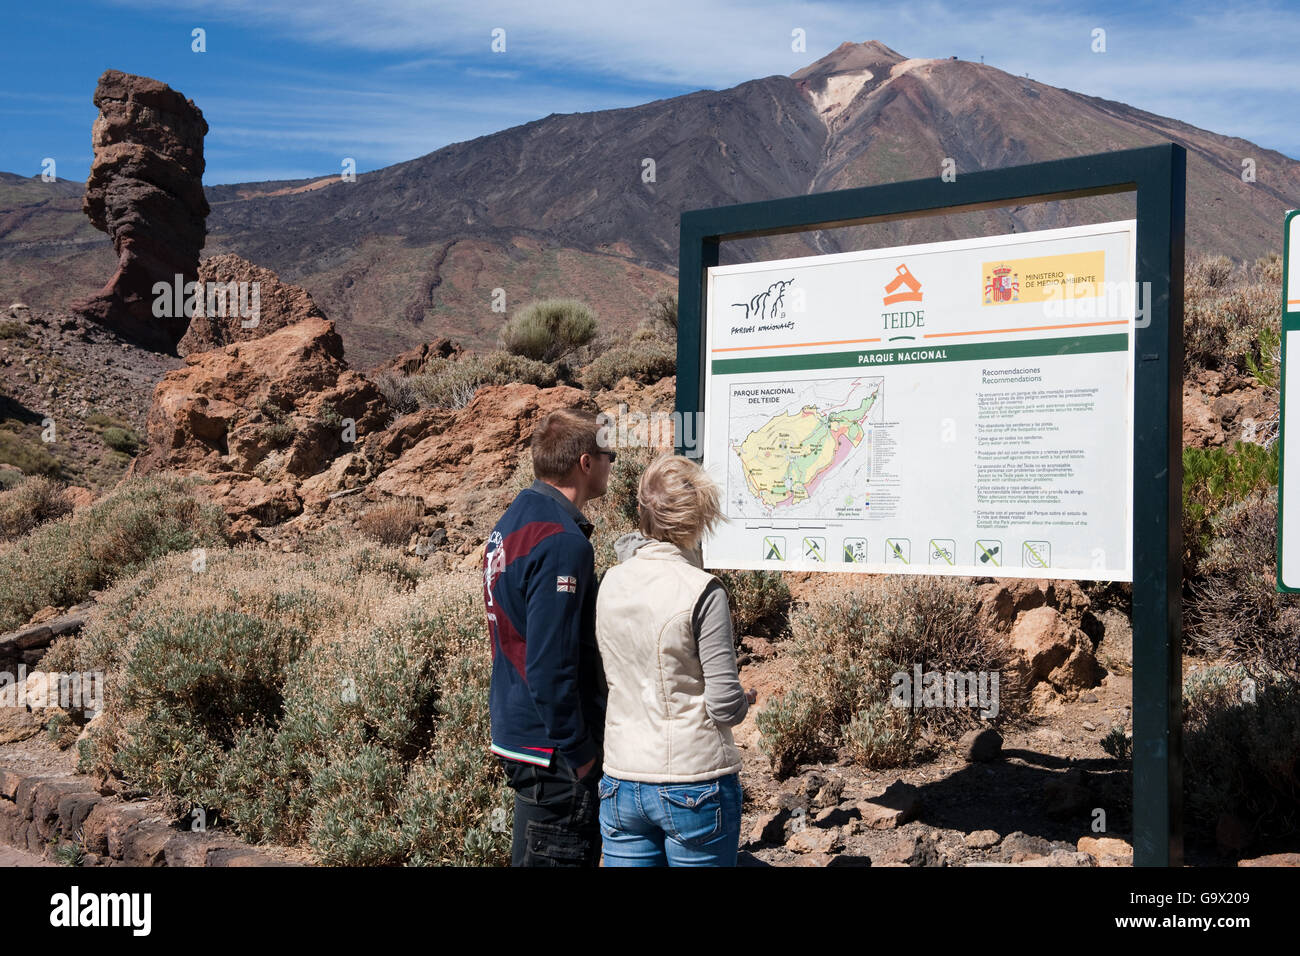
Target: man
[{"x": 548, "y": 685}]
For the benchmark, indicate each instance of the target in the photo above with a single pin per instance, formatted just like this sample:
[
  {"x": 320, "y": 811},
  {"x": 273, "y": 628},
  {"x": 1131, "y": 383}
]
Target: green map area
[{"x": 785, "y": 459}]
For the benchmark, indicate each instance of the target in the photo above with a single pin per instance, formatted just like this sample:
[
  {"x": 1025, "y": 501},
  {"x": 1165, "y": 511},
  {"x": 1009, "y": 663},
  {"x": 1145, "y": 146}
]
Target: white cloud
[{"x": 1207, "y": 68}]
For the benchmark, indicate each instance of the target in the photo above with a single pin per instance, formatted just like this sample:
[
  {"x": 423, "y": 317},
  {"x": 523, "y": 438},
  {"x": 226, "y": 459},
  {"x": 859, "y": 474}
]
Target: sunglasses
[{"x": 612, "y": 455}]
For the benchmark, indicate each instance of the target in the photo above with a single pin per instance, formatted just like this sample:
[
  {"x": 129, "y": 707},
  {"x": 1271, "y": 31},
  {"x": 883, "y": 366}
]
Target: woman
[{"x": 671, "y": 790}]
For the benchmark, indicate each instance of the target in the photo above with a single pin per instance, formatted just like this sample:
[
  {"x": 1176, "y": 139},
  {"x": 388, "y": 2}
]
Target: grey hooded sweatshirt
[{"x": 724, "y": 698}]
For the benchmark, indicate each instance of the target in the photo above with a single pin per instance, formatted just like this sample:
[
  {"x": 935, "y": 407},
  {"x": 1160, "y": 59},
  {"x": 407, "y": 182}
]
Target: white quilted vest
[{"x": 656, "y": 727}]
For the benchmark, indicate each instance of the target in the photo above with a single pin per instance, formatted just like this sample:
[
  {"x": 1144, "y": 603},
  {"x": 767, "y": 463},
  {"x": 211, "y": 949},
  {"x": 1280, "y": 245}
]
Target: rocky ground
[
  {"x": 1032, "y": 803},
  {"x": 263, "y": 420},
  {"x": 83, "y": 377}
]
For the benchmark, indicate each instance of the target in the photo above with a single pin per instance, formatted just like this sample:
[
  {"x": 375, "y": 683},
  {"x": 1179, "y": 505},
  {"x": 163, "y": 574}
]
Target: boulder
[
  {"x": 1273, "y": 859},
  {"x": 1000, "y": 603},
  {"x": 768, "y": 827},
  {"x": 414, "y": 360},
  {"x": 1201, "y": 426},
  {"x": 1048, "y": 647},
  {"x": 462, "y": 465},
  {"x": 815, "y": 840},
  {"x": 1067, "y": 795},
  {"x": 271, "y": 304},
  {"x": 983, "y": 839},
  {"x": 1018, "y": 847},
  {"x": 899, "y": 803},
  {"x": 259, "y": 417},
  {"x": 1107, "y": 851},
  {"x": 914, "y": 849}
]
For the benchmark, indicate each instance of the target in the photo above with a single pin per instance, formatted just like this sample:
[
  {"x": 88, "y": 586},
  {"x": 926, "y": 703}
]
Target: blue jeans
[{"x": 673, "y": 824}]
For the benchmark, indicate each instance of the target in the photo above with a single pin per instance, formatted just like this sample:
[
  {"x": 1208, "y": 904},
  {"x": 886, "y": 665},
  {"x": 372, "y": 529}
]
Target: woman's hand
[{"x": 751, "y": 695}]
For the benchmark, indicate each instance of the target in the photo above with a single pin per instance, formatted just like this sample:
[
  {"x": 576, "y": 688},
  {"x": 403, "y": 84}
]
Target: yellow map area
[{"x": 785, "y": 459}]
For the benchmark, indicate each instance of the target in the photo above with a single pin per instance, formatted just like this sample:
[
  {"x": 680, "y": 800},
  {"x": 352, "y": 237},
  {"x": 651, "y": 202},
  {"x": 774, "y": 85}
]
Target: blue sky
[{"x": 290, "y": 87}]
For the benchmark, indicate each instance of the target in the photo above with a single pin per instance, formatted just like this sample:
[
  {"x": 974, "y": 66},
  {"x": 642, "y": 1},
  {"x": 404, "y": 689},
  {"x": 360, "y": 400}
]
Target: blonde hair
[{"x": 677, "y": 501}]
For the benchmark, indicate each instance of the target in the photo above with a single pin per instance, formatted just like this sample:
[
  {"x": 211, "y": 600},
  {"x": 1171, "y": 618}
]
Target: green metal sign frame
[
  {"x": 1290, "y": 323},
  {"x": 1157, "y": 174}
]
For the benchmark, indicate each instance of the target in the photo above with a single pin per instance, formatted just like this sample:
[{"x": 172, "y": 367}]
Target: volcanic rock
[
  {"x": 259, "y": 417},
  {"x": 249, "y": 301},
  {"x": 145, "y": 191},
  {"x": 463, "y": 461}
]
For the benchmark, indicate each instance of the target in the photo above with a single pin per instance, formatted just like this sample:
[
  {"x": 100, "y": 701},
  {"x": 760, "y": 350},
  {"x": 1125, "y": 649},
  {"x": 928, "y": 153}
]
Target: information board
[
  {"x": 961, "y": 407},
  {"x": 1288, "y": 521}
]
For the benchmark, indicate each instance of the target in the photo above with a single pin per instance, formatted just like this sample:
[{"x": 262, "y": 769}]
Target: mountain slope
[{"x": 559, "y": 206}]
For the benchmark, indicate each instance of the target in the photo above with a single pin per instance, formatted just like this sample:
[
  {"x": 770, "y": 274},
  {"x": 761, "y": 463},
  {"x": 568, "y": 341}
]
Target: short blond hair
[{"x": 677, "y": 501}]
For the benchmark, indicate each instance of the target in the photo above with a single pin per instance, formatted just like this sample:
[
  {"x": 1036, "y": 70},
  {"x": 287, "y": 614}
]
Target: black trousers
[{"x": 557, "y": 816}]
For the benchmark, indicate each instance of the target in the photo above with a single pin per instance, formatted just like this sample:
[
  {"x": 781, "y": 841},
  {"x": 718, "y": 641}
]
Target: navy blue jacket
[{"x": 539, "y": 586}]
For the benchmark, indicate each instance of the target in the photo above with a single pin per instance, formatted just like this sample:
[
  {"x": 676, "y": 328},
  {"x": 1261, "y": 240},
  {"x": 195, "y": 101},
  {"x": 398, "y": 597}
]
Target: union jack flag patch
[{"x": 566, "y": 582}]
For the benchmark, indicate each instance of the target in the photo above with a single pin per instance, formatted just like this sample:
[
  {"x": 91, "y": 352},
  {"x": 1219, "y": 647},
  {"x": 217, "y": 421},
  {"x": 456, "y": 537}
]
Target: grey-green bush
[
  {"x": 548, "y": 330},
  {"x": 33, "y": 501},
  {"x": 646, "y": 360},
  {"x": 62, "y": 561},
  {"x": 845, "y": 651},
  {"x": 336, "y": 698}
]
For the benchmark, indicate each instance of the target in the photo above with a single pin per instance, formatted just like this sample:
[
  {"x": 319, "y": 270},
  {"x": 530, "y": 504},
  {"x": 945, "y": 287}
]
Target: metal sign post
[{"x": 1157, "y": 175}]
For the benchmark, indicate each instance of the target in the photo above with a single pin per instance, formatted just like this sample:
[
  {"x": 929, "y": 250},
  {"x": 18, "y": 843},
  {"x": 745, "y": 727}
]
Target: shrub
[
  {"x": 503, "y": 368},
  {"x": 645, "y": 360},
  {"x": 624, "y": 479},
  {"x": 1214, "y": 478},
  {"x": 1239, "y": 755},
  {"x": 328, "y": 416},
  {"x": 1118, "y": 744},
  {"x": 1211, "y": 272},
  {"x": 62, "y": 561},
  {"x": 14, "y": 329},
  {"x": 31, "y": 502},
  {"x": 1225, "y": 309},
  {"x": 1234, "y": 607},
  {"x": 98, "y": 421},
  {"x": 760, "y": 603},
  {"x": 447, "y": 384},
  {"x": 337, "y": 697},
  {"x": 846, "y": 650},
  {"x": 1268, "y": 369},
  {"x": 880, "y": 735},
  {"x": 279, "y": 434},
  {"x": 451, "y": 383},
  {"x": 205, "y": 682},
  {"x": 397, "y": 391},
  {"x": 548, "y": 330},
  {"x": 664, "y": 310},
  {"x": 121, "y": 439},
  {"x": 392, "y": 522},
  {"x": 29, "y": 456}
]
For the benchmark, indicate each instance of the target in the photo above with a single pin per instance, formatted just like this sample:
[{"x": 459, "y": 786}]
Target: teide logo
[
  {"x": 767, "y": 304},
  {"x": 904, "y": 287},
  {"x": 904, "y": 278},
  {"x": 102, "y": 909}
]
